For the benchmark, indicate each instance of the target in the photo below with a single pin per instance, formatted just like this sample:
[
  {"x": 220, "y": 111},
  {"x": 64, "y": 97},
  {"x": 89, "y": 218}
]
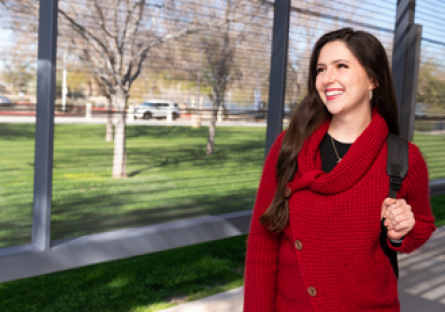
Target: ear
[{"x": 373, "y": 84}]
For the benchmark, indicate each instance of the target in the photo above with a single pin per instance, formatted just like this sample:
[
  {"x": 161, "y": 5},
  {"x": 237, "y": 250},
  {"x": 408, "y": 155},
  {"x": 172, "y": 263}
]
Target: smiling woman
[
  {"x": 317, "y": 220},
  {"x": 343, "y": 86}
]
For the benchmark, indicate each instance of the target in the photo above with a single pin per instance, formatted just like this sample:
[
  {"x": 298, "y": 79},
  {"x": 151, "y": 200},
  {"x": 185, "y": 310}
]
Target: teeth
[{"x": 330, "y": 93}]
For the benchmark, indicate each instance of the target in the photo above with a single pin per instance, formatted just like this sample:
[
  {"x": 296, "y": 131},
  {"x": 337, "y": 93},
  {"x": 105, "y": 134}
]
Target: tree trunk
[
  {"x": 109, "y": 127},
  {"x": 210, "y": 142},
  {"x": 212, "y": 129},
  {"x": 119, "y": 162}
]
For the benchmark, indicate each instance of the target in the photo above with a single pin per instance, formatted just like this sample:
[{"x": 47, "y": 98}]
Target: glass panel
[
  {"x": 310, "y": 19},
  {"x": 18, "y": 67},
  {"x": 169, "y": 176},
  {"x": 430, "y": 105}
]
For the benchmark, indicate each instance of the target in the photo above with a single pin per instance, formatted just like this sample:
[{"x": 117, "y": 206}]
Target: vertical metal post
[
  {"x": 43, "y": 158},
  {"x": 408, "y": 104},
  {"x": 405, "y": 64},
  {"x": 278, "y": 66}
]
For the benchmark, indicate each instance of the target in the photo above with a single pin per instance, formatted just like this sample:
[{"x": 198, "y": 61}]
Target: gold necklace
[{"x": 335, "y": 149}]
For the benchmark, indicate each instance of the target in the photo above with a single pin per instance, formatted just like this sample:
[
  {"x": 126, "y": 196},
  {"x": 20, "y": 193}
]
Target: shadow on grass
[
  {"x": 83, "y": 216},
  {"x": 100, "y": 219},
  {"x": 16, "y": 232},
  {"x": 148, "y": 154},
  {"x": 124, "y": 285},
  {"x": 17, "y": 132},
  {"x": 438, "y": 207},
  {"x": 117, "y": 208},
  {"x": 178, "y": 132},
  {"x": 136, "y": 172},
  {"x": 237, "y": 153}
]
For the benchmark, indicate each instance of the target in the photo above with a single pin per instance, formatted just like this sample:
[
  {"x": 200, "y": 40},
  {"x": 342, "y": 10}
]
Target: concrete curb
[{"x": 231, "y": 300}]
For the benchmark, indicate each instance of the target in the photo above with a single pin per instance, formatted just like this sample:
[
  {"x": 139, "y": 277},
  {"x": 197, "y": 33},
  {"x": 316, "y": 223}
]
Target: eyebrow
[{"x": 336, "y": 61}]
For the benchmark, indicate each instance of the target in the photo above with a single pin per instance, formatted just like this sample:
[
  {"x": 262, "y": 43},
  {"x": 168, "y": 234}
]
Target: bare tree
[
  {"x": 106, "y": 93},
  {"x": 431, "y": 84},
  {"x": 219, "y": 47},
  {"x": 18, "y": 57},
  {"x": 114, "y": 38},
  {"x": 219, "y": 56},
  {"x": 253, "y": 59},
  {"x": 18, "y": 60}
]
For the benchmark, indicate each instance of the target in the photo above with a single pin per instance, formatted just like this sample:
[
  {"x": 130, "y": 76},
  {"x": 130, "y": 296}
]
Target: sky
[{"x": 379, "y": 13}]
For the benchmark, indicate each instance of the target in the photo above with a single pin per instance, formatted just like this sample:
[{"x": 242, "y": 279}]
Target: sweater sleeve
[
  {"x": 417, "y": 195},
  {"x": 262, "y": 244}
]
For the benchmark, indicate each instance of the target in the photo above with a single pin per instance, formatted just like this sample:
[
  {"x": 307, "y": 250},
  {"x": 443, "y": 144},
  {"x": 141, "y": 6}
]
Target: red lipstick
[{"x": 335, "y": 93}]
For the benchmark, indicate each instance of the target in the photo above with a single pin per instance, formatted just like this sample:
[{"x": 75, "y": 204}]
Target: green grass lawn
[
  {"x": 141, "y": 284},
  {"x": 433, "y": 149},
  {"x": 170, "y": 178}
]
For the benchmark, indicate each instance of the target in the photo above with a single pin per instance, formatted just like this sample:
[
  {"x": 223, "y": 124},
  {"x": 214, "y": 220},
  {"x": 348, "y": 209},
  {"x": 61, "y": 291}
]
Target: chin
[{"x": 333, "y": 109}]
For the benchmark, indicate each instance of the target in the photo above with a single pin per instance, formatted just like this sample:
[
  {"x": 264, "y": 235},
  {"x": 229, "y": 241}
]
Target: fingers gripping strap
[{"x": 397, "y": 169}]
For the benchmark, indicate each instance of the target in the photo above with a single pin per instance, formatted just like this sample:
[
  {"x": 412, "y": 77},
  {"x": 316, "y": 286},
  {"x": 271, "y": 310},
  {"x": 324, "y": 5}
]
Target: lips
[{"x": 333, "y": 93}]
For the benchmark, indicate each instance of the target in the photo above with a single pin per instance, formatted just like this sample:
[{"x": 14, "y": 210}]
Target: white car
[
  {"x": 156, "y": 109},
  {"x": 5, "y": 101}
]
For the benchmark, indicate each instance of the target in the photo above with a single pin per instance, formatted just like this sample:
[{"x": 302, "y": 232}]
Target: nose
[{"x": 328, "y": 77}]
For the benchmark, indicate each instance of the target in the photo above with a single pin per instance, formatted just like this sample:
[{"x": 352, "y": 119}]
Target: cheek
[
  {"x": 319, "y": 86},
  {"x": 358, "y": 83}
]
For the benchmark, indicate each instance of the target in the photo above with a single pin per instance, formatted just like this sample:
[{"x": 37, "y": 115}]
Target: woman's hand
[{"x": 399, "y": 217}]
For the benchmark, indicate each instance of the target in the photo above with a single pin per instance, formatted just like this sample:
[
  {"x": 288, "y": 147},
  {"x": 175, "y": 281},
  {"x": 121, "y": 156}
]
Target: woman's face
[{"x": 341, "y": 82}]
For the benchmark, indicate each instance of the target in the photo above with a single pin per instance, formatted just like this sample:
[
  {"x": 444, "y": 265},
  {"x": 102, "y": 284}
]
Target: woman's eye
[
  {"x": 319, "y": 70},
  {"x": 342, "y": 66}
]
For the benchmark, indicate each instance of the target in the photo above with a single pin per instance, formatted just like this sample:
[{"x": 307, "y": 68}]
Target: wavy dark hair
[{"x": 311, "y": 112}]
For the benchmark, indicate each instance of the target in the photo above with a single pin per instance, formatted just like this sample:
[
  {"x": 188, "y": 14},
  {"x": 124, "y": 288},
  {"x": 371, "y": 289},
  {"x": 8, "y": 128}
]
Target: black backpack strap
[{"x": 397, "y": 169}]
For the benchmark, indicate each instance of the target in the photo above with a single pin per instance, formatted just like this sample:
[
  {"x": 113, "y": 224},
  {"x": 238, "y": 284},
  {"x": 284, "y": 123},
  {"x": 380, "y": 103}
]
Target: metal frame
[
  {"x": 404, "y": 17},
  {"x": 410, "y": 81},
  {"x": 437, "y": 187},
  {"x": 43, "y": 158},
  {"x": 278, "y": 67},
  {"x": 405, "y": 71},
  {"x": 44, "y": 256},
  {"x": 405, "y": 64}
]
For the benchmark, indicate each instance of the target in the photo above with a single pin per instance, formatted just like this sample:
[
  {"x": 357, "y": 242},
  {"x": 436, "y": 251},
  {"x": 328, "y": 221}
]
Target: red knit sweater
[{"x": 328, "y": 257}]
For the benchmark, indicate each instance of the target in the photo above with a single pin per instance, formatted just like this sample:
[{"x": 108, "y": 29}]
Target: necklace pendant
[{"x": 338, "y": 160}]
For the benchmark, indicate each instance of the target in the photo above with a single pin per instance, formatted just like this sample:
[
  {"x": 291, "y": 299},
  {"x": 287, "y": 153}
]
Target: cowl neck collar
[{"x": 350, "y": 169}]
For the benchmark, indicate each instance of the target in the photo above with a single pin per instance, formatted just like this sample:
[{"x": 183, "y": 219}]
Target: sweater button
[
  {"x": 288, "y": 192},
  {"x": 298, "y": 245},
  {"x": 312, "y": 291}
]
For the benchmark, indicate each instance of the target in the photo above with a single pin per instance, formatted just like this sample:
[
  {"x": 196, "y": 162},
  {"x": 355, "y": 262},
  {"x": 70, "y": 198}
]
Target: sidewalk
[
  {"x": 229, "y": 301},
  {"x": 421, "y": 284},
  {"x": 422, "y": 277}
]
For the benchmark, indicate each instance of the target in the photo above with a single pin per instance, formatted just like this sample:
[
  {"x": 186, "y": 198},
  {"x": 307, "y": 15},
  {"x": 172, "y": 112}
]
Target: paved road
[
  {"x": 421, "y": 284},
  {"x": 151, "y": 122},
  {"x": 422, "y": 277}
]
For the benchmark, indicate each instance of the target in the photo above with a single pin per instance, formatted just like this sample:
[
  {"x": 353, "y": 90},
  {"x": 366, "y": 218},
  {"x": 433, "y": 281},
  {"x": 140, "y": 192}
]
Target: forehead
[{"x": 336, "y": 50}]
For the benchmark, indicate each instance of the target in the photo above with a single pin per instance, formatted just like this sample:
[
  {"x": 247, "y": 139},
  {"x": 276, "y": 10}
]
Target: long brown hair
[{"x": 311, "y": 112}]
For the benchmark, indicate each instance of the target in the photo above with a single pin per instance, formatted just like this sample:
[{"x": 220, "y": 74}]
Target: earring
[{"x": 371, "y": 94}]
